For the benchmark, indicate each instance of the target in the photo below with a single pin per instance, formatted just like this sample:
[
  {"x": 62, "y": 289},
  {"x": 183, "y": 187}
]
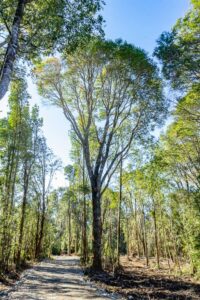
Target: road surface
[{"x": 57, "y": 279}]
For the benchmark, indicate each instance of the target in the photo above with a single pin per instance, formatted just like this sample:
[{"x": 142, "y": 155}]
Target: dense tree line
[
  {"x": 128, "y": 192},
  {"x": 27, "y": 168}
]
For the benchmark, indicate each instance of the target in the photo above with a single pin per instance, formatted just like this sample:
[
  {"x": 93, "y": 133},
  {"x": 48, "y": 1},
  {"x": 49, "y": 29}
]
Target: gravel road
[{"x": 57, "y": 279}]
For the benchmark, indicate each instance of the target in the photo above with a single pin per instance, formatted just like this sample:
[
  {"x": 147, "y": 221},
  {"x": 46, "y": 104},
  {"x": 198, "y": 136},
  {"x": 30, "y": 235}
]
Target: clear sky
[
  {"x": 137, "y": 21},
  {"x": 142, "y": 21}
]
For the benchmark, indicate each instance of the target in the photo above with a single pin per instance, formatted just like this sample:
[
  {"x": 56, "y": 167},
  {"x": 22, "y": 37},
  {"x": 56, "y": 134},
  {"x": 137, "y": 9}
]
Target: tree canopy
[
  {"x": 30, "y": 29},
  {"x": 179, "y": 50}
]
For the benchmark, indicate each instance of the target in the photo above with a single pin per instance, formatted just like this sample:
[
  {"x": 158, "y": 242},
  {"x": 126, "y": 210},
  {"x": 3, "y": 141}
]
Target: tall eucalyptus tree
[{"x": 107, "y": 88}]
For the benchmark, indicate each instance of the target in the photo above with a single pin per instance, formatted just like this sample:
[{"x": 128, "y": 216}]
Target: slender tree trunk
[
  {"x": 69, "y": 227},
  {"x": 84, "y": 229},
  {"x": 145, "y": 238},
  {"x": 21, "y": 230},
  {"x": 110, "y": 245},
  {"x": 84, "y": 237},
  {"x": 136, "y": 228},
  {"x": 77, "y": 239},
  {"x": 119, "y": 214},
  {"x": 128, "y": 237},
  {"x": 41, "y": 232},
  {"x": 12, "y": 48},
  {"x": 167, "y": 251},
  {"x": 37, "y": 232},
  {"x": 156, "y": 234},
  {"x": 97, "y": 228},
  {"x": 41, "y": 236},
  {"x": 24, "y": 202}
]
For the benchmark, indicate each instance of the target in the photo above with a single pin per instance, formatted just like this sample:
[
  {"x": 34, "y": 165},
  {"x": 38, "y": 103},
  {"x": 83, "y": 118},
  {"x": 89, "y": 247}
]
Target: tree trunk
[
  {"x": 24, "y": 202},
  {"x": 39, "y": 246},
  {"x": 12, "y": 48},
  {"x": 128, "y": 238},
  {"x": 136, "y": 228},
  {"x": 119, "y": 214},
  {"x": 84, "y": 237},
  {"x": 69, "y": 227},
  {"x": 110, "y": 245},
  {"x": 156, "y": 235},
  {"x": 145, "y": 238},
  {"x": 37, "y": 232},
  {"x": 41, "y": 232},
  {"x": 97, "y": 228}
]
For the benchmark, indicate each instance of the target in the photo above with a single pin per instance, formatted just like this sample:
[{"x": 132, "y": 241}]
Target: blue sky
[
  {"x": 137, "y": 21},
  {"x": 142, "y": 21}
]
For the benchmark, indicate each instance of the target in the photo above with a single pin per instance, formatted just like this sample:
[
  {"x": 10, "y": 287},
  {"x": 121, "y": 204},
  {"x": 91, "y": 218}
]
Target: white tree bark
[{"x": 12, "y": 48}]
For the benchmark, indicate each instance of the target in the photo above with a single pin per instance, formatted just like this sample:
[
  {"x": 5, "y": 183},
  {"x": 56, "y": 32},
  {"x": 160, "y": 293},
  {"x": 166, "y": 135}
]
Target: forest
[{"x": 133, "y": 185}]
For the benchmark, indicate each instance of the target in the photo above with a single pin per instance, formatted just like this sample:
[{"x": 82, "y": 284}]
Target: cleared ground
[{"x": 135, "y": 281}]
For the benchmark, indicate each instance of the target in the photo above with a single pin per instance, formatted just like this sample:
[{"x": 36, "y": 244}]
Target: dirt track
[{"x": 57, "y": 279}]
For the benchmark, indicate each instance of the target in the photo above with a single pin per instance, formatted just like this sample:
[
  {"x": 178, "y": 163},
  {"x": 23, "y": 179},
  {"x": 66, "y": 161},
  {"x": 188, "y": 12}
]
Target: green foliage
[
  {"x": 104, "y": 69},
  {"x": 52, "y": 25},
  {"x": 179, "y": 50}
]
